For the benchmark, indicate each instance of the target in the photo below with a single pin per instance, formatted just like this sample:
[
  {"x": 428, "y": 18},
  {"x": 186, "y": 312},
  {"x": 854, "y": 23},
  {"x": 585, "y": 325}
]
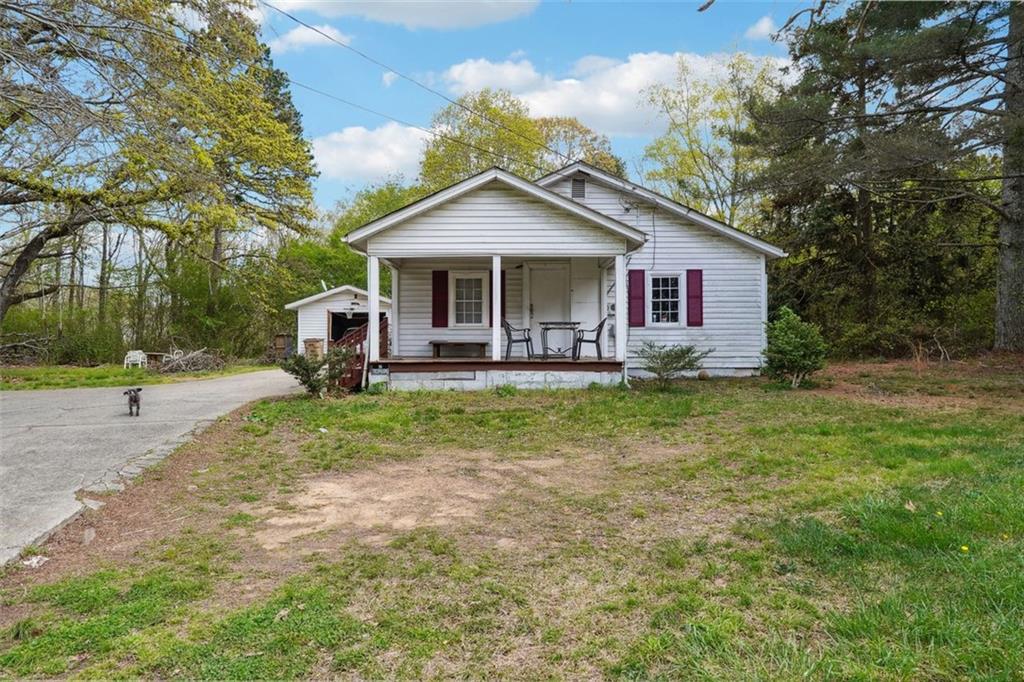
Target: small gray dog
[{"x": 134, "y": 400}]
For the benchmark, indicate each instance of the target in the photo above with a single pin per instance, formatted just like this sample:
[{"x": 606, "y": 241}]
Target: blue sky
[{"x": 585, "y": 59}]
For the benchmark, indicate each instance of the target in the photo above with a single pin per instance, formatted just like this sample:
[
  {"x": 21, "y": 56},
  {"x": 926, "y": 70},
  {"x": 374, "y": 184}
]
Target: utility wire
[
  {"x": 355, "y": 105},
  {"x": 417, "y": 83},
  {"x": 428, "y": 131}
]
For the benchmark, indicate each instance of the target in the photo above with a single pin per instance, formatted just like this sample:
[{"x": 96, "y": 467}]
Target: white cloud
[
  {"x": 301, "y": 37},
  {"x": 388, "y": 77},
  {"x": 603, "y": 93},
  {"x": 474, "y": 74},
  {"x": 762, "y": 29},
  {"x": 593, "y": 63},
  {"x": 358, "y": 153},
  {"x": 413, "y": 14}
]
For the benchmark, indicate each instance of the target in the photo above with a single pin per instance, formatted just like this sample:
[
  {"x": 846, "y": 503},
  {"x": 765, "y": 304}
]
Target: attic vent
[{"x": 579, "y": 188}]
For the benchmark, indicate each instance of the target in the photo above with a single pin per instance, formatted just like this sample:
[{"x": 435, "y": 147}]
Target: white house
[
  {"x": 565, "y": 252},
  {"x": 329, "y": 314}
]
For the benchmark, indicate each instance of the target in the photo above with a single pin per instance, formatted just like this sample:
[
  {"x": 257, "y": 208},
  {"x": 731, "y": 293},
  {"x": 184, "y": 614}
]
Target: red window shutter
[
  {"x": 637, "y": 298},
  {"x": 694, "y": 298},
  {"x": 439, "y": 298}
]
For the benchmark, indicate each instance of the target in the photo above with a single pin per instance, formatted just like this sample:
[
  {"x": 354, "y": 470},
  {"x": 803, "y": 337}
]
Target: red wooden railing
[{"x": 355, "y": 339}]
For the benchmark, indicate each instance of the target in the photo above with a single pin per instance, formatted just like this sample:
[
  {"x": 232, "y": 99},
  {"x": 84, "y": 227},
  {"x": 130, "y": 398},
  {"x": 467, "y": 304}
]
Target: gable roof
[
  {"x": 343, "y": 289},
  {"x": 502, "y": 176},
  {"x": 665, "y": 203}
]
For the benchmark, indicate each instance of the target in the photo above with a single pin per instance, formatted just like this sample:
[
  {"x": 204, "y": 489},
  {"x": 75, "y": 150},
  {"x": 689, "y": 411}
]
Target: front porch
[
  {"x": 446, "y": 325},
  {"x": 455, "y": 306}
]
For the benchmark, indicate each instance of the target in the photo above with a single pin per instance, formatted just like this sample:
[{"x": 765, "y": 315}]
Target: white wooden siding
[
  {"x": 734, "y": 285},
  {"x": 495, "y": 220},
  {"x": 608, "y": 201},
  {"x": 415, "y": 306},
  {"x": 312, "y": 323}
]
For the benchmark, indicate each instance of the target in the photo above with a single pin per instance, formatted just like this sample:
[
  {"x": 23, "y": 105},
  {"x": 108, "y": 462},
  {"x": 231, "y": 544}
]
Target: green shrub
[
  {"x": 319, "y": 375},
  {"x": 795, "y": 348},
  {"x": 669, "y": 362}
]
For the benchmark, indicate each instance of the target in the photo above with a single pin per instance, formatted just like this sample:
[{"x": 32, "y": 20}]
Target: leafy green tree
[
  {"x": 482, "y": 129},
  {"x": 576, "y": 142},
  {"x": 172, "y": 131},
  {"x": 795, "y": 349},
  {"x": 373, "y": 202},
  {"x": 696, "y": 160},
  {"x": 494, "y": 128}
]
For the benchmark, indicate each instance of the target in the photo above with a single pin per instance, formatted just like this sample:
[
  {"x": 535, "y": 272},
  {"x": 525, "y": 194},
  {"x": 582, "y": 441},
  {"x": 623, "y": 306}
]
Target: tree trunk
[
  {"x": 83, "y": 246},
  {"x": 72, "y": 273},
  {"x": 1010, "y": 286},
  {"x": 104, "y": 276},
  {"x": 865, "y": 215},
  {"x": 171, "y": 275},
  {"x": 216, "y": 256},
  {"x": 140, "y": 291},
  {"x": 866, "y": 226},
  {"x": 28, "y": 255}
]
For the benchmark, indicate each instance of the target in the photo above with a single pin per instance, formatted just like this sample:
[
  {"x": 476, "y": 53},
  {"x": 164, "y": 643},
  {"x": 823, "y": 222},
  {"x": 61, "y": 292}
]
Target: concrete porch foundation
[{"x": 475, "y": 374}]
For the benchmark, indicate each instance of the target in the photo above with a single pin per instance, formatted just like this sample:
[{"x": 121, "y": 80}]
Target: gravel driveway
[{"x": 55, "y": 443}]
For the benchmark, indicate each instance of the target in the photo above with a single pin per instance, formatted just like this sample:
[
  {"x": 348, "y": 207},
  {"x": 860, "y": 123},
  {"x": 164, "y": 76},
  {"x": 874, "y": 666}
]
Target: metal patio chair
[
  {"x": 583, "y": 336},
  {"x": 513, "y": 336}
]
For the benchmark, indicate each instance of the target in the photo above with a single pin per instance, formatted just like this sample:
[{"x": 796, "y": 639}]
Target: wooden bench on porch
[{"x": 439, "y": 345}]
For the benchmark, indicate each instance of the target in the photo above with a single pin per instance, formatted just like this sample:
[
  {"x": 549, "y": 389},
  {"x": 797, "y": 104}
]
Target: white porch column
[
  {"x": 393, "y": 322},
  {"x": 621, "y": 314},
  {"x": 373, "y": 284},
  {"x": 496, "y": 311}
]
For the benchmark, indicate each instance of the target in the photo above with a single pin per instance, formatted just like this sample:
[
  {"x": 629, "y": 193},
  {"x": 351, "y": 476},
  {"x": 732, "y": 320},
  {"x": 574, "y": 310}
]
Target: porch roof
[{"x": 358, "y": 239}]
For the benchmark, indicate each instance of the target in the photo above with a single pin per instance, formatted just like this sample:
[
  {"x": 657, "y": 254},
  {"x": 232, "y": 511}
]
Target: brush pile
[
  {"x": 194, "y": 361},
  {"x": 23, "y": 349}
]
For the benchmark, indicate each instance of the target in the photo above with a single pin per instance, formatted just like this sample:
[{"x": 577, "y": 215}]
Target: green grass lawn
[
  {"x": 25, "y": 378},
  {"x": 723, "y": 530}
]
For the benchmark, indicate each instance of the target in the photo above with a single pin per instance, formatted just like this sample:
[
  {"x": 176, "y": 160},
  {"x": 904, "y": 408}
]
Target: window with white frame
[
  {"x": 665, "y": 299},
  {"x": 468, "y": 299}
]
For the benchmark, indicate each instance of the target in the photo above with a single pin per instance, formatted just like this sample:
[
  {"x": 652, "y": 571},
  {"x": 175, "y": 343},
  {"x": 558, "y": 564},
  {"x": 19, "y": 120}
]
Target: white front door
[{"x": 549, "y": 302}]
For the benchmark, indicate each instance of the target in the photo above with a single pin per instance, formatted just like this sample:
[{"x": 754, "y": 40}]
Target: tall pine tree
[{"x": 913, "y": 103}]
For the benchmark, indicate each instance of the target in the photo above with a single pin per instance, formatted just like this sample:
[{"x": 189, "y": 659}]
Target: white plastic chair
[{"x": 135, "y": 358}]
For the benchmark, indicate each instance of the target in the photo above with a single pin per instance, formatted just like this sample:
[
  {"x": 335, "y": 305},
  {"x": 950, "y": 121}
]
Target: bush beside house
[{"x": 795, "y": 349}]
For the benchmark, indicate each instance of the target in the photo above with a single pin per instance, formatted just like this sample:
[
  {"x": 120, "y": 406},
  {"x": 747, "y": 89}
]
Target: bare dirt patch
[{"x": 437, "y": 490}]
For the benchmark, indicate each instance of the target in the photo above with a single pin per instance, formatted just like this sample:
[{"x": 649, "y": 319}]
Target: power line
[
  {"x": 417, "y": 83},
  {"x": 361, "y": 107},
  {"x": 428, "y": 131}
]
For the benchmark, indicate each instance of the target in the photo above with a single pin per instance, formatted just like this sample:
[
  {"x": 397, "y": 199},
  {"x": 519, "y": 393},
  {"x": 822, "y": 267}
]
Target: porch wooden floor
[{"x": 414, "y": 364}]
